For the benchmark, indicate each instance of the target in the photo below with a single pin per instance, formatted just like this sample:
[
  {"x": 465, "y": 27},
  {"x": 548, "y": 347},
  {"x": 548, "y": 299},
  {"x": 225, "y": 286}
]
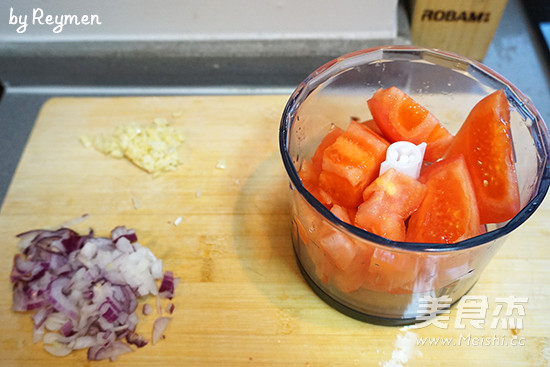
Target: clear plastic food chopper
[{"x": 447, "y": 85}]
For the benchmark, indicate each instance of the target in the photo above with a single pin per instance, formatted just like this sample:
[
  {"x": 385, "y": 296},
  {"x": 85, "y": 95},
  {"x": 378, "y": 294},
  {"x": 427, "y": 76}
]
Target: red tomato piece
[
  {"x": 353, "y": 276},
  {"x": 485, "y": 141},
  {"x": 355, "y": 157},
  {"x": 449, "y": 211},
  {"x": 324, "y": 266},
  {"x": 328, "y": 140},
  {"x": 342, "y": 213},
  {"x": 371, "y": 124},
  {"x": 308, "y": 176},
  {"x": 310, "y": 170},
  {"x": 401, "y": 118},
  {"x": 336, "y": 257},
  {"x": 340, "y": 249},
  {"x": 391, "y": 272},
  {"x": 310, "y": 180},
  {"x": 388, "y": 202},
  {"x": 373, "y": 216},
  {"x": 337, "y": 246},
  {"x": 403, "y": 194},
  {"x": 335, "y": 189}
]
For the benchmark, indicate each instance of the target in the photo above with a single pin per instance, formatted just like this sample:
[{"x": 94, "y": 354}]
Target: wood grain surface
[
  {"x": 465, "y": 27},
  {"x": 241, "y": 300}
]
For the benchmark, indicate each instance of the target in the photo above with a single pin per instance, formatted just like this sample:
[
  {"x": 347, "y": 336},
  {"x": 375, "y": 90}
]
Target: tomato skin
[
  {"x": 485, "y": 141},
  {"x": 400, "y": 118},
  {"x": 388, "y": 202},
  {"x": 449, "y": 211}
]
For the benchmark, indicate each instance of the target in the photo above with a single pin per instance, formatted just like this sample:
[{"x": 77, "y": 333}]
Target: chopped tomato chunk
[
  {"x": 342, "y": 213},
  {"x": 391, "y": 271},
  {"x": 388, "y": 202},
  {"x": 400, "y": 118},
  {"x": 402, "y": 193},
  {"x": 310, "y": 180},
  {"x": 371, "y": 124},
  {"x": 351, "y": 163},
  {"x": 355, "y": 155},
  {"x": 335, "y": 244},
  {"x": 449, "y": 211},
  {"x": 353, "y": 276},
  {"x": 328, "y": 140},
  {"x": 324, "y": 266},
  {"x": 485, "y": 141},
  {"x": 337, "y": 190}
]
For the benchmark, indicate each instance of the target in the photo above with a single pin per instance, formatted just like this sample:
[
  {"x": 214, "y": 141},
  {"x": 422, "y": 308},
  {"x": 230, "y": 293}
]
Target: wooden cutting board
[{"x": 241, "y": 300}]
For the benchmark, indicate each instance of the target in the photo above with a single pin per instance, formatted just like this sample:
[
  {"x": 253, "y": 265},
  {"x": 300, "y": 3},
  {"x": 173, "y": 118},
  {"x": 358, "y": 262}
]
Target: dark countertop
[{"x": 33, "y": 73}]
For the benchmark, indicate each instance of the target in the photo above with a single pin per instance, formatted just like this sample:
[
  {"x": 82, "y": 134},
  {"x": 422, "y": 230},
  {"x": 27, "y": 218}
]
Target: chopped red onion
[
  {"x": 85, "y": 289},
  {"x": 112, "y": 351},
  {"x": 168, "y": 285},
  {"x": 147, "y": 309},
  {"x": 55, "y": 344},
  {"x": 159, "y": 326},
  {"x": 136, "y": 339},
  {"x": 122, "y": 231},
  {"x": 67, "y": 328},
  {"x": 58, "y": 299}
]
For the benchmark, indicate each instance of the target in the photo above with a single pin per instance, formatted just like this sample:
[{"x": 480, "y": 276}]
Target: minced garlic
[{"x": 153, "y": 148}]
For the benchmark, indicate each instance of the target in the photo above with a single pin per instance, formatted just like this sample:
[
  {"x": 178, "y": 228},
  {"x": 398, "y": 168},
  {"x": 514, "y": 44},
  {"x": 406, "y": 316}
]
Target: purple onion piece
[
  {"x": 111, "y": 351},
  {"x": 108, "y": 313},
  {"x": 24, "y": 270},
  {"x": 122, "y": 231},
  {"x": 136, "y": 339},
  {"x": 147, "y": 309},
  {"x": 168, "y": 285},
  {"x": 159, "y": 326},
  {"x": 51, "y": 276},
  {"x": 67, "y": 328},
  {"x": 59, "y": 300}
]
